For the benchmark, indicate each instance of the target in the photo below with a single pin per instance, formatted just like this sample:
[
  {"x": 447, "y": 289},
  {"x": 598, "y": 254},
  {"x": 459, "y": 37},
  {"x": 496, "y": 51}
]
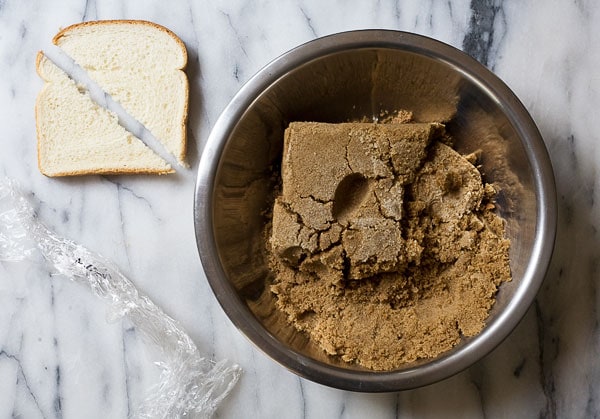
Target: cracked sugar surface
[{"x": 350, "y": 175}]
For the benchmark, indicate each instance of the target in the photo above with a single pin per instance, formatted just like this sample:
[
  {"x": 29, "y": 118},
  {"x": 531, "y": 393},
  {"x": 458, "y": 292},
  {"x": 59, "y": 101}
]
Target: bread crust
[
  {"x": 124, "y": 171},
  {"x": 63, "y": 32},
  {"x": 38, "y": 60},
  {"x": 183, "y": 125}
]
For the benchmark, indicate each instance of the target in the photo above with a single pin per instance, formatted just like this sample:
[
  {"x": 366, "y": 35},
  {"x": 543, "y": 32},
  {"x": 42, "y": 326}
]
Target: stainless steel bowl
[{"x": 344, "y": 77}]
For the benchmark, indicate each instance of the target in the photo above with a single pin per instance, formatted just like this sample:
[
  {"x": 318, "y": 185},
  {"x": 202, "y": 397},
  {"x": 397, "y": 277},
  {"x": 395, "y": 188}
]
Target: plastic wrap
[{"x": 190, "y": 385}]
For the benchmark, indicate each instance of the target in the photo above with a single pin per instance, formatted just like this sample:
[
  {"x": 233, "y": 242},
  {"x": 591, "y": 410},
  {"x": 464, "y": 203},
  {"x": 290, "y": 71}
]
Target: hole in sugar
[{"x": 349, "y": 195}]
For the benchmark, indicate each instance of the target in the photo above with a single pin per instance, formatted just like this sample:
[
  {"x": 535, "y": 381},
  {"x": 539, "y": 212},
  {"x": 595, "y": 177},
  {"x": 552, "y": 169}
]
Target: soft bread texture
[
  {"x": 76, "y": 136},
  {"x": 140, "y": 64}
]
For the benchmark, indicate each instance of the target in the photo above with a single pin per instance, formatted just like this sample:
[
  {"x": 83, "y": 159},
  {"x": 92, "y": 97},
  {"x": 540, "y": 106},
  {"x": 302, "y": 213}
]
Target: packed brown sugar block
[{"x": 342, "y": 188}]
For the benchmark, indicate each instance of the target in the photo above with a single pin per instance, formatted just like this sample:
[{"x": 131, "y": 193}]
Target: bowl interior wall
[{"x": 347, "y": 86}]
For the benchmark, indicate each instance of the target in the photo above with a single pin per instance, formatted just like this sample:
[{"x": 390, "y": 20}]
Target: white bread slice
[
  {"x": 140, "y": 65},
  {"x": 76, "y": 136}
]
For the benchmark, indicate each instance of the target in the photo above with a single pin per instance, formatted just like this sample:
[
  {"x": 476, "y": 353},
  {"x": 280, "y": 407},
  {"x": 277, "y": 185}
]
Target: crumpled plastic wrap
[{"x": 191, "y": 385}]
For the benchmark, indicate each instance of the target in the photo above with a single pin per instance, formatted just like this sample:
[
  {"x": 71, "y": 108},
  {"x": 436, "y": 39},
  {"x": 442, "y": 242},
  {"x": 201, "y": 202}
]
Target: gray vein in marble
[
  {"x": 519, "y": 368},
  {"x": 450, "y": 11},
  {"x": 238, "y": 37},
  {"x": 22, "y": 31},
  {"x": 122, "y": 227},
  {"x": 569, "y": 332},
  {"x": 477, "y": 380},
  {"x": 127, "y": 334},
  {"x": 572, "y": 156},
  {"x": 22, "y": 377},
  {"x": 255, "y": 392},
  {"x": 567, "y": 210},
  {"x": 197, "y": 102},
  {"x": 430, "y": 17},
  {"x": 302, "y": 398},
  {"x": 590, "y": 408},
  {"x": 342, "y": 408},
  {"x": 122, "y": 188},
  {"x": 40, "y": 207},
  {"x": 546, "y": 375},
  {"x": 91, "y": 12},
  {"x": 192, "y": 23},
  {"x": 397, "y": 10},
  {"x": 308, "y": 22},
  {"x": 57, "y": 399},
  {"x": 106, "y": 392},
  {"x": 213, "y": 338},
  {"x": 480, "y": 36},
  {"x": 425, "y": 19}
]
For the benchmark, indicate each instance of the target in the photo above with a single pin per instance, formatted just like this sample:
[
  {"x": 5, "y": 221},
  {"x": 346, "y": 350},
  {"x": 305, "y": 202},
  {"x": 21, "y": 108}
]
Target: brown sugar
[{"x": 383, "y": 241}]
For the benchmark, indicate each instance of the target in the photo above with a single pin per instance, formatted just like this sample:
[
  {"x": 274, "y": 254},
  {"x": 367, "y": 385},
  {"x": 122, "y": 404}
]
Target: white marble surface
[{"x": 60, "y": 358}]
